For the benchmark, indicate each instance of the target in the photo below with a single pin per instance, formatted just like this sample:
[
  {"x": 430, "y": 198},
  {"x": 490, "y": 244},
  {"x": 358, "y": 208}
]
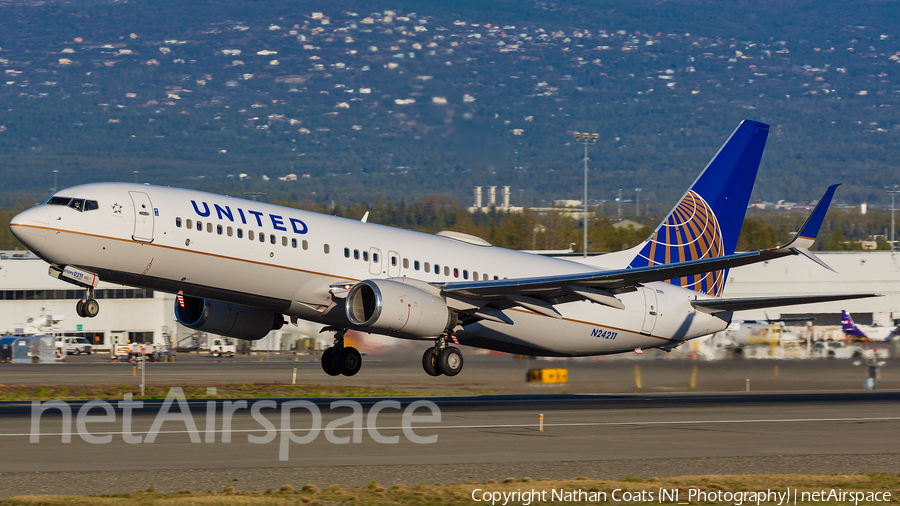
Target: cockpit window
[
  {"x": 58, "y": 201},
  {"x": 76, "y": 204}
]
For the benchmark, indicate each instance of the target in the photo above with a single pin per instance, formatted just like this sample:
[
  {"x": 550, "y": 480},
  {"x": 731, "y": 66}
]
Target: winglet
[
  {"x": 810, "y": 230},
  {"x": 810, "y": 255}
]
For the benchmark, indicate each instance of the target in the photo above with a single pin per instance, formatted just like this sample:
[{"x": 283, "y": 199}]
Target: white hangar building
[{"x": 30, "y": 297}]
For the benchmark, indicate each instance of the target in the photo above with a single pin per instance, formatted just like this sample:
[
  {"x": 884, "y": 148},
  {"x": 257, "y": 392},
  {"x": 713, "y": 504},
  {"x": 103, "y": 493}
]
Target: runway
[
  {"x": 598, "y": 436},
  {"x": 487, "y": 374}
]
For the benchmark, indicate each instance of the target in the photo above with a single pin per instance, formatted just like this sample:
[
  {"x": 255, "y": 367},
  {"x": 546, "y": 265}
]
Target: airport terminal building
[
  {"x": 30, "y": 297},
  {"x": 31, "y": 301}
]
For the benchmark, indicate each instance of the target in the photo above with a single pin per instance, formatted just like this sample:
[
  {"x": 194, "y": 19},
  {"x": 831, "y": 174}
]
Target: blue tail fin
[{"x": 707, "y": 220}]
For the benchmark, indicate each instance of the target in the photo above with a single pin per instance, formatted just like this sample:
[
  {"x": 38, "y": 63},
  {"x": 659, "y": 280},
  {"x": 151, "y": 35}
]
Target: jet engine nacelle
[
  {"x": 224, "y": 319},
  {"x": 397, "y": 307}
]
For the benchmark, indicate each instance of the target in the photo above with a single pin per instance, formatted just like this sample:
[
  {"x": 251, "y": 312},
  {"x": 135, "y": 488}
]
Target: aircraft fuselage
[{"x": 256, "y": 254}]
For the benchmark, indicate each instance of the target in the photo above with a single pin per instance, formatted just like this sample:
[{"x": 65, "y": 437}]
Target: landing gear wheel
[
  {"x": 79, "y": 308},
  {"x": 90, "y": 308},
  {"x": 450, "y": 361},
  {"x": 429, "y": 362},
  {"x": 328, "y": 363},
  {"x": 350, "y": 361}
]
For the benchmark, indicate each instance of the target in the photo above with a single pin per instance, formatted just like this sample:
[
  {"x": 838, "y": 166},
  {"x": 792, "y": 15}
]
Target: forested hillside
[{"x": 399, "y": 100}]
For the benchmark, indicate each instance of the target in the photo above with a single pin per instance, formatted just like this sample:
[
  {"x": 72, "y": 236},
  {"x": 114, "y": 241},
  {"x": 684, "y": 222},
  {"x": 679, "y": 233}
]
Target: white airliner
[{"x": 241, "y": 267}]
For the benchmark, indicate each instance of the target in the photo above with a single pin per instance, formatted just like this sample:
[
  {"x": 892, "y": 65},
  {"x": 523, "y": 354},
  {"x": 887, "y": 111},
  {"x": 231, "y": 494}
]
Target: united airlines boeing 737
[{"x": 241, "y": 267}]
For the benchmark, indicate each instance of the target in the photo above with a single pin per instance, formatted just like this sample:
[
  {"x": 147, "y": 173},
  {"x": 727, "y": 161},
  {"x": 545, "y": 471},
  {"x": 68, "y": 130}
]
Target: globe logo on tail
[{"x": 690, "y": 232}]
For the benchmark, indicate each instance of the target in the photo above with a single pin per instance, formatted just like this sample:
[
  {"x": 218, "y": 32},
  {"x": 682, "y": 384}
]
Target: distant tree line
[{"x": 843, "y": 230}]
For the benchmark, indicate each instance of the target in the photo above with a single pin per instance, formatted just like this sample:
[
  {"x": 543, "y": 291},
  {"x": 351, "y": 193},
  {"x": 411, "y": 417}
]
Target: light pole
[
  {"x": 586, "y": 139},
  {"x": 893, "y": 194},
  {"x": 55, "y": 174},
  {"x": 619, "y": 205},
  {"x": 637, "y": 202}
]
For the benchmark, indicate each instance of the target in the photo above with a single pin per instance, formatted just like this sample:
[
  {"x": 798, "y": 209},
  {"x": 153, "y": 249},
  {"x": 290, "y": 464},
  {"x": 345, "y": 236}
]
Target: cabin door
[
  {"x": 143, "y": 217},
  {"x": 651, "y": 307}
]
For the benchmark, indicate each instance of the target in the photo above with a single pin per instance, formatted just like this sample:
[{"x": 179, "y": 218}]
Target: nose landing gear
[
  {"x": 340, "y": 359},
  {"x": 88, "y": 307}
]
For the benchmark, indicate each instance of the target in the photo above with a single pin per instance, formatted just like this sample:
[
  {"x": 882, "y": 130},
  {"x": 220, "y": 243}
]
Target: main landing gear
[
  {"x": 340, "y": 359},
  {"x": 442, "y": 359},
  {"x": 88, "y": 307}
]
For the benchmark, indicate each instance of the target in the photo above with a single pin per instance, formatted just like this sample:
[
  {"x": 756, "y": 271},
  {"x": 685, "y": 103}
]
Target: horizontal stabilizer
[
  {"x": 744, "y": 304},
  {"x": 786, "y": 320}
]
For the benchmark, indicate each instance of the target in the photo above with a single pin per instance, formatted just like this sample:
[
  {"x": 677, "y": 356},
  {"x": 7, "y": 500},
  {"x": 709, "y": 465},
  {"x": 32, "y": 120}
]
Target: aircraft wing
[
  {"x": 539, "y": 293},
  {"x": 612, "y": 280}
]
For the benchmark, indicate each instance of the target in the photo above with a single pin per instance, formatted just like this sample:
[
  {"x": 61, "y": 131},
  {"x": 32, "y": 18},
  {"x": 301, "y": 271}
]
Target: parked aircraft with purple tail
[{"x": 865, "y": 333}]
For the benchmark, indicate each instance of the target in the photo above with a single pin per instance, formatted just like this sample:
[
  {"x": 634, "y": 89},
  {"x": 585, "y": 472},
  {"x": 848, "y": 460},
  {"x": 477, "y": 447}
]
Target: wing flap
[
  {"x": 598, "y": 296},
  {"x": 494, "y": 315},
  {"x": 536, "y": 305}
]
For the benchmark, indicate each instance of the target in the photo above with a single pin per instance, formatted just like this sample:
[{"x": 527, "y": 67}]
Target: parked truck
[{"x": 220, "y": 346}]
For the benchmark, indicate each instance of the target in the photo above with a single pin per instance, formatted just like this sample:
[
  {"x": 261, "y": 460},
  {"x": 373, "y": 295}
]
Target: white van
[{"x": 74, "y": 345}]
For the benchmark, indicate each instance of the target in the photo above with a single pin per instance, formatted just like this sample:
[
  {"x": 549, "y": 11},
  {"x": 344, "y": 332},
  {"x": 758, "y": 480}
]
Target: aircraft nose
[{"x": 30, "y": 227}]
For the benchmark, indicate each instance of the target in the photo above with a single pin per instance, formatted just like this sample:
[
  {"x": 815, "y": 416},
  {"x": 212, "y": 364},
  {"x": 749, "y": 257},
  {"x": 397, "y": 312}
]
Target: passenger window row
[
  {"x": 364, "y": 256},
  {"x": 356, "y": 254},
  {"x": 239, "y": 233}
]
